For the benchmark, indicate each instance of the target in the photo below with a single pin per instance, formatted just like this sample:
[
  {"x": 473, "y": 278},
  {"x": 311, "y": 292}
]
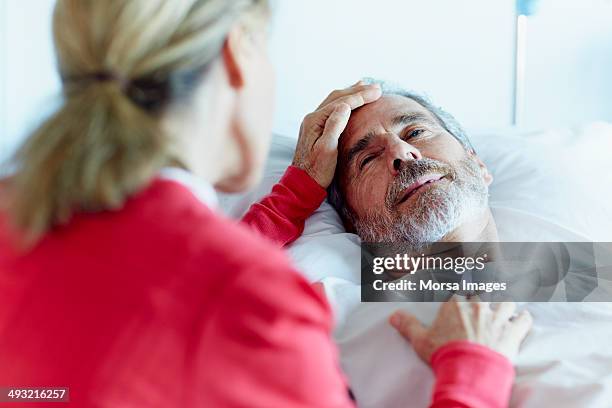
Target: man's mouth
[{"x": 417, "y": 186}]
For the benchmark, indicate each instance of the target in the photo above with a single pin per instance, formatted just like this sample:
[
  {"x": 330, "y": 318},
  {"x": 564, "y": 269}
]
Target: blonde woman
[{"x": 121, "y": 281}]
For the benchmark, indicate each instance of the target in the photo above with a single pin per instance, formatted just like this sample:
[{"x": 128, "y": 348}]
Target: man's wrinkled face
[{"x": 404, "y": 177}]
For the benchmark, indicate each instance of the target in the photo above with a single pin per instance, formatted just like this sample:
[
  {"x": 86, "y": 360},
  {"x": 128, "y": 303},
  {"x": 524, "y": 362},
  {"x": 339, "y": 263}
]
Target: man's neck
[{"x": 481, "y": 228}]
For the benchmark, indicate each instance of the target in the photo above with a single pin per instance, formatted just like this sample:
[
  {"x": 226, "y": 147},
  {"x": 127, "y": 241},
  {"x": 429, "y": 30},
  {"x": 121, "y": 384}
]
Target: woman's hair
[{"x": 121, "y": 62}]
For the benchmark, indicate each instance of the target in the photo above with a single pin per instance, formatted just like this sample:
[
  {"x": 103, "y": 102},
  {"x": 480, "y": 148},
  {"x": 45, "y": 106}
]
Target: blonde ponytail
[{"x": 122, "y": 62}]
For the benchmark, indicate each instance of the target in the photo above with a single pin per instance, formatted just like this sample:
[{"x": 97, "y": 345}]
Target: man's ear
[
  {"x": 233, "y": 54},
  {"x": 486, "y": 175}
]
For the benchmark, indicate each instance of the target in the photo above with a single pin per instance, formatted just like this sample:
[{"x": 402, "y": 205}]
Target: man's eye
[
  {"x": 414, "y": 133},
  {"x": 366, "y": 161}
]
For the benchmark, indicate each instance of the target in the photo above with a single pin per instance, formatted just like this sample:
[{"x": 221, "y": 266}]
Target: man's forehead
[{"x": 380, "y": 113}]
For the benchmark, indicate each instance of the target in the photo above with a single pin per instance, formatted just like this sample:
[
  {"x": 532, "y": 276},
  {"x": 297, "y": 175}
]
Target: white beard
[{"x": 435, "y": 214}]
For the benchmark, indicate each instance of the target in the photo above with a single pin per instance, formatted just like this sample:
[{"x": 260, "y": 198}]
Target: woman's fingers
[
  {"x": 514, "y": 332},
  {"x": 407, "y": 325},
  {"x": 466, "y": 320},
  {"x": 338, "y": 93},
  {"x": 503, "y": 312},
  {"x": 317, "y": 148},
  {"x": 356, "y": 99},
  {"x": 335, "y": 125},
  {"x": 521, "y": 325},
  {"x": 465, "y": 314},
  {"x": 353, "y": 101}
]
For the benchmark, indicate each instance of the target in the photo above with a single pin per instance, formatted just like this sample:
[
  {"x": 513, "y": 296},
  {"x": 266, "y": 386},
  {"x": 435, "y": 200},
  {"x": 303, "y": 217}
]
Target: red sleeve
[
  {"x": 469, "y": 375},
  {"x": 272, "y": 331},
  {"x": 280, "y": 216}
]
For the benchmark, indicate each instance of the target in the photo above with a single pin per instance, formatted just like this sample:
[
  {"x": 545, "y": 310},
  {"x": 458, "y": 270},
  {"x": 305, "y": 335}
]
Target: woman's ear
[
  {"x": 235, "y": 55},
  {"x": 486, "y": 175}
]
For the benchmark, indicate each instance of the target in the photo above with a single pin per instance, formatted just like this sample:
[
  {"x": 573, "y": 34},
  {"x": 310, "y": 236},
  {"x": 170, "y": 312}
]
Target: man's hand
[
  {"x": 317, "y": 146},
  {"x": 474, "y": 321}
]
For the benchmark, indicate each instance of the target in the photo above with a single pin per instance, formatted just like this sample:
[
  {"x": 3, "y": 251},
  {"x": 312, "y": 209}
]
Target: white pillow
[{"x": 563, "y": 176}]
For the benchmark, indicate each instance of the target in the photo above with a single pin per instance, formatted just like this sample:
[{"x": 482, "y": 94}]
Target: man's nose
[{"x": 399, "y": 152}]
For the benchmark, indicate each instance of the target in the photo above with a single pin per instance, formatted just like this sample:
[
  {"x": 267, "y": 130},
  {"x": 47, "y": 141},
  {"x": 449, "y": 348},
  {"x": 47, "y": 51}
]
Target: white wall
[
  {"x": 459, "y": 52},
  {"x": 31, "y": 83},
  {"x": 3, "y": 63},
  {"x": 569, "y": 63}
]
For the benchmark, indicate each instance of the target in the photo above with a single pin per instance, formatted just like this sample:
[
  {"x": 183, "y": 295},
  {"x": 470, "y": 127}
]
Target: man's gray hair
[{"x": 445, "y": 119}]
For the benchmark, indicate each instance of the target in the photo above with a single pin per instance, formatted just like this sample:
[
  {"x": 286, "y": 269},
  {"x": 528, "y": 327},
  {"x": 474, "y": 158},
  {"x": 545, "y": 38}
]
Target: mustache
[{"x": 410, "y": 172}]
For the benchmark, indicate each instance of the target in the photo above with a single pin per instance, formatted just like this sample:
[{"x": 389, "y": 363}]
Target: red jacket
[{"x": 166, "y": 303}]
